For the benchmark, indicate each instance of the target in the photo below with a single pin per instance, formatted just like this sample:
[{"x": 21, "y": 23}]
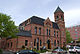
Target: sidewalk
[{"x": 46, "y": 53}]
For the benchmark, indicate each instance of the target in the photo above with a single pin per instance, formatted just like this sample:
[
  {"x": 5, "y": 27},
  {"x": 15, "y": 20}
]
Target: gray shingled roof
[
  {"x": 38, "y": 20},
  {"x": 58, "y": 9},
  {"x": 24, "y": 33}
]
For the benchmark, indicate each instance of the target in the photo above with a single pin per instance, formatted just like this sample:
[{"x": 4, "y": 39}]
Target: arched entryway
[{"x": 48, "y": 44}]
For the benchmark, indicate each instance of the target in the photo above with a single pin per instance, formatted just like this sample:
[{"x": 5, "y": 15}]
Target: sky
[{"x": 21, "y": 10}]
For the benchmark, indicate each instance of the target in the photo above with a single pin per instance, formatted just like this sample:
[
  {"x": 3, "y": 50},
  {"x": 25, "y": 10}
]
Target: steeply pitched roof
[
  {"x": 24, "y": 33},
  {"x": 38, "y": 20},
  {"x": 58, "y": 9}
]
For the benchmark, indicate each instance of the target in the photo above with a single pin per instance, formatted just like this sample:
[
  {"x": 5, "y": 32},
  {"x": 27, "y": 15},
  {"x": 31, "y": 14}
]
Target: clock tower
[{"x": 59, "y": 19}]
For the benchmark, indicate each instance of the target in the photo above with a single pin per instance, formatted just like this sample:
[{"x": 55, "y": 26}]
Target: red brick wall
[
  {"x": 18, "y": 45},
  {"x": 73, "y": 31},
  {"x": 61, "y": 24}
]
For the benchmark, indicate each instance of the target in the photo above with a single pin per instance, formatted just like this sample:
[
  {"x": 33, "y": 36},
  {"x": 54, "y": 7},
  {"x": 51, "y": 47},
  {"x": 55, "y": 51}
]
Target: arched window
[
  {"x": 11, "y": 44},
  {"x": 58, "y": 42},
  {"x": 8, "y": 45},
  {"x": 34, "y": 42},
  {"x": 61, "y": 17},
  {"x": 39, "y": 30},
  {"x": 54, "y": 32},
  {"x": 40, "y": 43},
  {"x": 35, "y": 30},
  {"x": 57, "y": 33},
  {"x": 47, "y": 31},
  {"x": 54, "y": 42},
  {"x": 57, "y": 17}
]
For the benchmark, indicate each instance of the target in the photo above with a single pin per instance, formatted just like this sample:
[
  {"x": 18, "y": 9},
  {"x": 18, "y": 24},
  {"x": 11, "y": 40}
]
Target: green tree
[
  {"x": 79, "y": 39},
  {"x": 68, "y": 37},
  {"x": 7, "y": 26}
]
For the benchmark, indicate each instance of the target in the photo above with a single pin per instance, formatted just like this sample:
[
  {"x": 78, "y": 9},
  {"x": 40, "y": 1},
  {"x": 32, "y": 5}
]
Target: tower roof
[{"x": 58, "y": 9}]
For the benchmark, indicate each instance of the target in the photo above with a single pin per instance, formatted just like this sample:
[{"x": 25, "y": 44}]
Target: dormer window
[
  {"x": 21, "y": 27},
  {"x": 28, "y": 21}
]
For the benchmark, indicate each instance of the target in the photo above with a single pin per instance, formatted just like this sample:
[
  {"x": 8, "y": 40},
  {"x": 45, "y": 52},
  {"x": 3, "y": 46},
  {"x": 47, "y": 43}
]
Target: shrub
[
  {"x": 39, "y": 51},
  {"x": 64, "y": 48},
  {"x": 42, "y": 51},
  {"x": 1, "y": 51},
  {"x": 23, "y": 47}
]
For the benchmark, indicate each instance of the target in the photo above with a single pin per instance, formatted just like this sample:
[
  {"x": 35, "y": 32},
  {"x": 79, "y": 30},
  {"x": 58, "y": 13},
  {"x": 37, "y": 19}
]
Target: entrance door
[{"x": 49, "y": 44}]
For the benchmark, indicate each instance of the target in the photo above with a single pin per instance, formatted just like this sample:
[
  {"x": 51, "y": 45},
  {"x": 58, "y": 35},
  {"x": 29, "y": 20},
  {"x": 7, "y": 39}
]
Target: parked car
[
  {"x": 58, "y": 51},
  {"x": 74, "y": 49},
  {"x": 26, "y": 52}
]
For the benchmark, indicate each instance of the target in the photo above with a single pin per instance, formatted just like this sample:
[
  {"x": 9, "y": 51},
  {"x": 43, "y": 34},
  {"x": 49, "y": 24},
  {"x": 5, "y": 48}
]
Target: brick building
[
  {"x": 74, "y": 32},
  {"x": 37, "y": 32}
]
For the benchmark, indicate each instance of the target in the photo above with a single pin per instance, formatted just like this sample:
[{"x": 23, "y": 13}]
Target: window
[
  {"x": 34, "y": 42},
  {"x": 57, "y": 17},
  {"x": 54, "y": 33},
  {"x": 61, "y": 17},
  {"x": 58, "y": 43},
  {"x": 25, "y": 24},
  {"x": 35, "y": 30},
  {"x": 76, "y": 36},
  {"x": 75, "y": 29},
  {"x": 26, "y": 42},
  {"x": 76, "y": 32},
  {"x": 47, "y": 31},
  {"x": 62, "y": 33},
  {"x": 40, "y": 43},
  {"x": 39, "y": 30},
  {"x": 57, "y": 33},
  {"x": 48, "y": 24},
  {"x": 55, "y": 43},
  {"x": 11, "y": 44},
  {"x": 8, "y": 45},
  {"x": 21, "y": 27},
  {"x": 37, "y": 40}
]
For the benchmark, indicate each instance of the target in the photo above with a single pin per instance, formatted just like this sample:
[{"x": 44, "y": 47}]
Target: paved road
[{"x": 7, "y": 52}]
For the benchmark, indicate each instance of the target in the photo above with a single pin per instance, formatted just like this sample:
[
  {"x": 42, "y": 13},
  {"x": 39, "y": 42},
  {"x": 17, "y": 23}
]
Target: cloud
[{"x": 72, "y": 17}]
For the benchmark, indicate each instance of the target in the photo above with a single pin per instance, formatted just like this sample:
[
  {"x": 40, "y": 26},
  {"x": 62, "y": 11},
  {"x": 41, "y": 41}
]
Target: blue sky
[{"x": 20, "y": 10}]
